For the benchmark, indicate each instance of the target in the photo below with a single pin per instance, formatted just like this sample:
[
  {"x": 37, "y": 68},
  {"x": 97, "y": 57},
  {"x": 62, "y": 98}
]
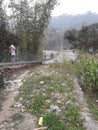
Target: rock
[
  {"x": 17, "y": 105},
  {"x": 59, "y": 101},
  {"x": 23, "y": 109},
  {"x": 68, "y": 102},
  {"x": 63, "y": 84},
  {"x": 12, "y": 124},
  {"x": 20, "y": 99},
  {"x": 44, "y": 94},
  {"x": 54, "y": 108},
  {"x": 1, "y": 126},
  {"x": 12, "y": 129},
  {"x": 48, "y": 101},
  {"x": 42, "y": 82},
  {"x": 4, "y": 129}
]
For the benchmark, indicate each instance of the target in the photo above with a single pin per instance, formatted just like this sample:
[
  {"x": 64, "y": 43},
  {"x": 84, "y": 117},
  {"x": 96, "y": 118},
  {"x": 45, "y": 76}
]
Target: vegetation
[
  {"x": 89, "y": 71},
  {"x": 88, "y": 79},
  {"x": 53, "y": 39},
  {"x": 6, "y": 37},
  {"x": 24, "y": 26},
  {"x": 71, "y": 23},
  {"x": 86, "y": 70},
  {"x": 17, "y": 117},
  {"x": 51, "y": 97},
  {"x": 31, "y": 22},
  {"x": 84, "y": 39},
  {"x": 93, "y": 106}
]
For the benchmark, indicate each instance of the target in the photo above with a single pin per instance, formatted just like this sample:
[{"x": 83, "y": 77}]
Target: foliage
[
  {"x": 86, "y": 38},
  {"x": 93, "y": 108},
  {"x": 53, "y": 122},
  {"x": 71, "y": 35},
  {"x": 31, "y": 22},
  {"x": 89, "y": 71},
  {"x": 73, "y": 116},
  {"x": 52, "y": 39},
  {"x": 6, "y": 37}
]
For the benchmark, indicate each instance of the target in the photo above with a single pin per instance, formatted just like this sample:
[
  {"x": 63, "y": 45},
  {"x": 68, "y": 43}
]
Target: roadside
[
  {"x": 89, "y": 122},
  {"x": 52, "y": 98},
  {"x": 44, "y": 91},
  {"x": 11, "y": 114}
]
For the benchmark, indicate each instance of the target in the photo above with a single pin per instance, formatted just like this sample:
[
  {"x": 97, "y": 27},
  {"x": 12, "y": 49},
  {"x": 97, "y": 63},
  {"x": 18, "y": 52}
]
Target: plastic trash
[{"x": 40, "y": 122}]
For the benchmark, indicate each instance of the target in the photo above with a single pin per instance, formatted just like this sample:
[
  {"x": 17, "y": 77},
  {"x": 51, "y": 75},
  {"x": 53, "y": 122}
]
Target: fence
[
  {"x": 24, "y": 56},
  {"x": 20, "y": 56}
]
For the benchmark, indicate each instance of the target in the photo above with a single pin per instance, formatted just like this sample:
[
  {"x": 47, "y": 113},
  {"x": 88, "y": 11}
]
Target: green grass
[
  {"x": 70, "y": 120},
  {"x": 53, "y": 122},
  {"x": 92, "y": 107},
  {"x": 55, "y": 90},
  {"x": 17, "y": 117}
]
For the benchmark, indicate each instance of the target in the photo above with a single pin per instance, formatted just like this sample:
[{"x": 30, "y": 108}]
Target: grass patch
[
  {"x": 88, "y": 79},
  {"x": 70, "y": 120},
  {"x": 40, "y": 92},
  {"x": 17, "y": 117},
  {"x": 73, "y": 117},
  {"x": 53, "y": 122},
  {"x": 93, "y": 107}
]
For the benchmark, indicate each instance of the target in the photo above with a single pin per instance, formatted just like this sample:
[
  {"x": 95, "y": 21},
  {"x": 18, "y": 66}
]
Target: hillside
[{"x": 65, "y": 22}]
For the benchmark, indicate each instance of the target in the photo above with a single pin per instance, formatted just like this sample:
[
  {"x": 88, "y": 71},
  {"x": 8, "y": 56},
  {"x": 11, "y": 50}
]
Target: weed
[
  {"x": 53, "y": 122},
  {"x": 38, "y": 105},
  {"x": 92, "y": 107},
  {"x": 72, "y": 119},
  {"x": 17, "y": 117},
  {"x": 89, "y": 71},
  {"x": 54, "y": 90}
]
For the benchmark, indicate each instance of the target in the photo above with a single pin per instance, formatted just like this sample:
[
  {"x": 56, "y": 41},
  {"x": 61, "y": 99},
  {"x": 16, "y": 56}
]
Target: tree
[
  {"x": 85, "y": 38},
  {"x": 93, "y": 36},
  {"x": 31, "y": 22},
  {"x": 3, "y": 32},
  {"x": 6, "y": 37},
  {"x": 72, "y": 36}
]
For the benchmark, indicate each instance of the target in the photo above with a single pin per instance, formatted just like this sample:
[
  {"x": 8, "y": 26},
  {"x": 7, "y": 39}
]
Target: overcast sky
[{"x": 75, "y": 7}]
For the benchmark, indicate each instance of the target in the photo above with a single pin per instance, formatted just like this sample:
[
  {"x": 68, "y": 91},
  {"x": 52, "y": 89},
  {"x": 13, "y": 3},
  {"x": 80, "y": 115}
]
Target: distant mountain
[{"x": 65, "y": 22}]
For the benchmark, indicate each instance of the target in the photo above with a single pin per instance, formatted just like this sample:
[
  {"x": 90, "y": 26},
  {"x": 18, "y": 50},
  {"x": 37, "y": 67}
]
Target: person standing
[{"x": 12, "y": 52}]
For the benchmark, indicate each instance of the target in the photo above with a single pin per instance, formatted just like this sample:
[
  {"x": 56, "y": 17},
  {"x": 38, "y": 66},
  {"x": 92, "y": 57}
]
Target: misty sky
[{"x": 75, "y": 7}]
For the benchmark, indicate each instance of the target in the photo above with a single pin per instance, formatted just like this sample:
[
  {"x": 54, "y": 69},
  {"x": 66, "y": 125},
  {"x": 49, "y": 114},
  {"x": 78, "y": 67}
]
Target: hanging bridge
[
  {"x": 24, "y": 57},
  {"x": 47, "y": 56}
]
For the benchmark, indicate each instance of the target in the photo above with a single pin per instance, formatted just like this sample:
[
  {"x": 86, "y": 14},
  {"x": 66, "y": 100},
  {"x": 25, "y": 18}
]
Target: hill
[{"x": 65, "y": 22}]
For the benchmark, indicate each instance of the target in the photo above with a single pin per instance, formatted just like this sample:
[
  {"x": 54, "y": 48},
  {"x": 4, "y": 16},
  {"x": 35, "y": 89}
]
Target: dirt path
[
  {"x": 89, "y": 122},
  {"x": 8, "y": 111},
  {"x": 29, "y": 122}
]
